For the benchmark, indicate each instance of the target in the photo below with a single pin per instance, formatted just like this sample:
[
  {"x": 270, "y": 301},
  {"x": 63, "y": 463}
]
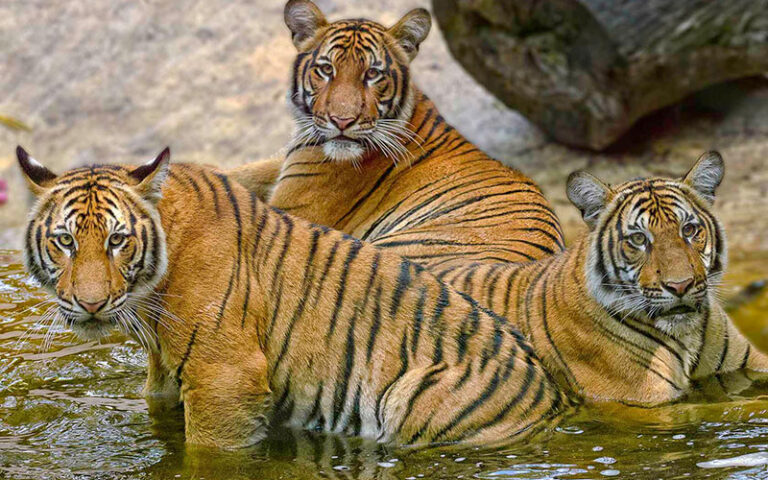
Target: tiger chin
[
  {"x": 251, "y": 316},
  {"x": 628, "y": 313}
]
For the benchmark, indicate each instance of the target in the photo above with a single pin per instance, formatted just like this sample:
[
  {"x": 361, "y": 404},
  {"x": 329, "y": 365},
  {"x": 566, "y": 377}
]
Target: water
[{"x": 75, "y": 412}]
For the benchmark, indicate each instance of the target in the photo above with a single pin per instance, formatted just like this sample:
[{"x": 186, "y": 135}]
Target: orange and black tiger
[
  {"x": 237, "y": 302},
  {"x": 629, "y": 312},
  {"x": 374, "y": 158}
]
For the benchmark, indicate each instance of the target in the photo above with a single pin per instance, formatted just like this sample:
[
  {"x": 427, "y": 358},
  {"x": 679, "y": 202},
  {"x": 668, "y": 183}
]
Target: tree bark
[{"x": 585, "y": 70}]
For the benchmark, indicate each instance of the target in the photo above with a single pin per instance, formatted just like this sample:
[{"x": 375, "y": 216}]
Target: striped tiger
[
  {"x": 374, "y": 158},
  {"x": 628, "y": 313},
  {"x": 236, "y": 301}
]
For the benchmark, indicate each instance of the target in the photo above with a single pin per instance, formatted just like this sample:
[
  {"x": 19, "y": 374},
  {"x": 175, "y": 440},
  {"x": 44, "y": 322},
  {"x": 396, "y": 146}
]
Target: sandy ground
[{"x": 116, "y": 81}]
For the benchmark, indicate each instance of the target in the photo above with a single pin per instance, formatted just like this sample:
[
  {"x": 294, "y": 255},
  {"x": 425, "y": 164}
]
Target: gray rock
[{"x": 585, "y": 70}]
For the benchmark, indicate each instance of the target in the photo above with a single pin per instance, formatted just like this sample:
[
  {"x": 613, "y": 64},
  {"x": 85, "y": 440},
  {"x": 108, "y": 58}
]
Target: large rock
[{"x": 586, "y": 70}]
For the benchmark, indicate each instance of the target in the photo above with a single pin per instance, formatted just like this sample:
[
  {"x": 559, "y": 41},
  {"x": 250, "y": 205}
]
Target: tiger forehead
[
  {"x": 104, "y": 175},
  {"x": 656, "y": 202},
  {"x": 359, "y": 37},
  {"x": 87, "y": 197}
]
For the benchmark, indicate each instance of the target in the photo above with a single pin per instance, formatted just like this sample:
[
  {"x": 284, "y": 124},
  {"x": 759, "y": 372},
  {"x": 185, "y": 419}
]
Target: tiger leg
[
  {"x": 473, "y": 402},
  {"x": 161, "y": 391},
  {"x": 258, "y": 177},
  {"x": 226, "y": 404},
  {"x": 725, "y": 349}
]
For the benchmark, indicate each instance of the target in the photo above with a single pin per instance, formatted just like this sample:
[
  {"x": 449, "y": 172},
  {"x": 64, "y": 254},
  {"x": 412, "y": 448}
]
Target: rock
[{"x": 585, "y": 70}]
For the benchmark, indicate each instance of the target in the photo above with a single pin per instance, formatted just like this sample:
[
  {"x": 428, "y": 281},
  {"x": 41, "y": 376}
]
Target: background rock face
[
  {"x": 117, "y": 81},
  {"x": 585, "y": 70}
]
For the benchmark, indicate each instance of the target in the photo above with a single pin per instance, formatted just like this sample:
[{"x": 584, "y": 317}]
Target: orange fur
[
  {"x": 374, "y": 158},
  {"x": 603, "y": 315},
  {"x": 256, "y": 304}
]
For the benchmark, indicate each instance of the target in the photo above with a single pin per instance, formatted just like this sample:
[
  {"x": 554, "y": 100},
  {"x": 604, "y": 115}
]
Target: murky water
[{"x": 75, "y": 411}]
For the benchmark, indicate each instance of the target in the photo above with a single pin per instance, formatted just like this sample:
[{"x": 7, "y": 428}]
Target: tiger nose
[
  {"x": 342, "y": 123},
  {"x": 679, "y": 288},
  {"x": 92, "y": 307}
]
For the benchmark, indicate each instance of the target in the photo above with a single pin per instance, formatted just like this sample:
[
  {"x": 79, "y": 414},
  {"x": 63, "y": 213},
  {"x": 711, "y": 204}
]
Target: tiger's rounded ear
[
  {"x": 411, "y": 30},
  {"x": 589, "y": 194},
  {"x": 304, "y": 19},
  {"x": 38, "y": 178},
  {"x": 706, "y": 175},
  {"x": 151, "y": 176}
]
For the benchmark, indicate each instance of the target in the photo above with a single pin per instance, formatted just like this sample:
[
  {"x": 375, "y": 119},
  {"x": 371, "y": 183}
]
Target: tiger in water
[
  {"x": 374, "y": 158},
  {"x": 237, "y": 302},
  {"x": 628, "y": 313}
]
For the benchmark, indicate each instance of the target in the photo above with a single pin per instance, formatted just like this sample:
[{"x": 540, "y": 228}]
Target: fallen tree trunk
[{"x": 585, "y": 70}]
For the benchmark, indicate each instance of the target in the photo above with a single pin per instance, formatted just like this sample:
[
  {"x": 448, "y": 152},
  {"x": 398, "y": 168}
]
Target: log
[{"x": 585, "y": 70}]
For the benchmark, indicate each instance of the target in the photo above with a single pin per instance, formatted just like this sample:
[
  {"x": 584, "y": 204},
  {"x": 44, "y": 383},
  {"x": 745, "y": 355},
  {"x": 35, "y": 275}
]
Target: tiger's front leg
[
  {"x": 226, "y": 405},
  {"x": 725, "y": 349},
  {"x": 161, "y": 390}
]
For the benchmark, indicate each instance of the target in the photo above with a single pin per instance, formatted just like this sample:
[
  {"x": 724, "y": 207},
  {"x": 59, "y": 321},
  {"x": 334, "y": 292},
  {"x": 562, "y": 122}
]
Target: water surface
[{"x": 74, "y": 411}]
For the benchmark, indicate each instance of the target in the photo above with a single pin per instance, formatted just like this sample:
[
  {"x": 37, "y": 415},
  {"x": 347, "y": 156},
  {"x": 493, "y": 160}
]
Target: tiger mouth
[
  {"x": 678, "y": 310},
  {"x": 343, "y": 138}
]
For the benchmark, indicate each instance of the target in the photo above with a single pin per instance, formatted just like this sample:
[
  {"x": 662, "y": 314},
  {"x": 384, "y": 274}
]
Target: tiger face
[
  {"x": 657, "y": 250},
  {"x": 351, "y": 90},
  {"x": 94, "y": 240}
]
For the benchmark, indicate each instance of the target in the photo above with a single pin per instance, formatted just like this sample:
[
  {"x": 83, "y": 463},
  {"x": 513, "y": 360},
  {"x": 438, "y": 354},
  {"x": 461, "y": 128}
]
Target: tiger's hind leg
[{"x": 476, "y": 401}]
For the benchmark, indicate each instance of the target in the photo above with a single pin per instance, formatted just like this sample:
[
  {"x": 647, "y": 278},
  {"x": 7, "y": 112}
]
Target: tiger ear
[
  {"x": 589, "y": 194},
  {"x": 151, "y": 176},
  {"x": 706, "y": 175},
  {"x": 38, "y": 178},
  {"x": 411, "y": 30},
  {"x": 304, "y": 19}
]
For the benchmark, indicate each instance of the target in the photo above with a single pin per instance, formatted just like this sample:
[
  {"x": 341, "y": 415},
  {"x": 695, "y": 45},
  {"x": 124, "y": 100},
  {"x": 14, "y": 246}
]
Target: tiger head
[
  {"x": 351, "y": 86},
  {"x": 95, "y": 241},
  {"x": 656, "y": 249}
]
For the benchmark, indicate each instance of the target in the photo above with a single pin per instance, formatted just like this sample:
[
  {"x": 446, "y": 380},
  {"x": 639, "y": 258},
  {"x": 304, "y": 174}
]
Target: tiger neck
[{"x": 311, "y": 186}]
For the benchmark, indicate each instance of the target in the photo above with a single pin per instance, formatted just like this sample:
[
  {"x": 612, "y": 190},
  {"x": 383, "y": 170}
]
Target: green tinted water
[{"x": 75, "y": 411}]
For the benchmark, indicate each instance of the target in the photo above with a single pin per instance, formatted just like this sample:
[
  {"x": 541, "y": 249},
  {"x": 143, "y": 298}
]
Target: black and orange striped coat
[{"x": 237, "y": 302}]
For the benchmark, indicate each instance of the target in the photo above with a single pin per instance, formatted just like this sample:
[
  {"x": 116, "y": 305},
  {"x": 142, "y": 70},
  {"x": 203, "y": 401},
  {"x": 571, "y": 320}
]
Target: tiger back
[
  {"x": 241, "y": 305},
  {"x": 374, "y": 158}
]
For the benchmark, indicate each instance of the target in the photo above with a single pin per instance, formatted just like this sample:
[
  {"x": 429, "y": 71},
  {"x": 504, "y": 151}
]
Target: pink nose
[
  {"x": 679, "y": 288},
  {"x": 92, "y": 307},
  {"x": 342, "y": 123}
]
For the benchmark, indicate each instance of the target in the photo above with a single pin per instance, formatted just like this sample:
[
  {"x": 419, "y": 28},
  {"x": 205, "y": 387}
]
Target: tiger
[
  {"x": 374, "y": 158},
  {"x": 629, "y": 312},
  {"x": 238, "y": 303}
]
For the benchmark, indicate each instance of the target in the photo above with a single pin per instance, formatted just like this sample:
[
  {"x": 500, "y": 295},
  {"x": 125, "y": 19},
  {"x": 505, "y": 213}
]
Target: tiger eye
[
  {"x": 372, "y": 73},
  {"x": 116, "y": 239},
  {"x": 326, "y": 69},
  {"x": 65, "y": 240},
  {"x": 638, "y": 239},
  {"x": 689, "y": 230}
]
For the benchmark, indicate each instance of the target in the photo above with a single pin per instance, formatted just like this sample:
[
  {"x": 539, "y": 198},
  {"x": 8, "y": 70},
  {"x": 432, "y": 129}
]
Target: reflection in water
[{"x": 75, "y": 411}]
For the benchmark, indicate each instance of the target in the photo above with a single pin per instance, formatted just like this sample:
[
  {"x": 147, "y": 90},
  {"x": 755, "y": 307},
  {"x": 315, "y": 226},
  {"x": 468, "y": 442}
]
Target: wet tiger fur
[
  {"x": 235, "y": 300},
  {"x": 374, "y": 158},
  {"x": 629, "y": 312}
]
